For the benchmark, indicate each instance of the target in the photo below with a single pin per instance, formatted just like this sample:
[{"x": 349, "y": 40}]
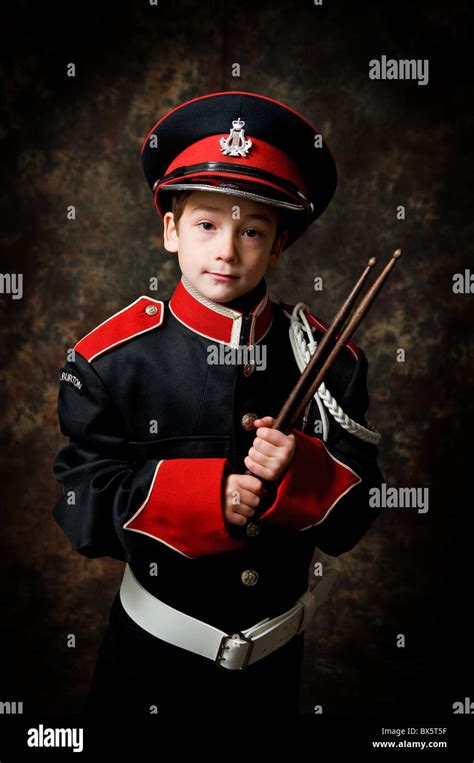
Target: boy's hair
[{"x": 180, "y": 198}]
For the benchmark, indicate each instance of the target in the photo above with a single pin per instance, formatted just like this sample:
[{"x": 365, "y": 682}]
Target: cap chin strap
[{"x": 303, "y": 351}]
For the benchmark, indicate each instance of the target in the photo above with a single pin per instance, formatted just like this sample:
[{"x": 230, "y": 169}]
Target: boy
[{"x": 212, "y": 609}]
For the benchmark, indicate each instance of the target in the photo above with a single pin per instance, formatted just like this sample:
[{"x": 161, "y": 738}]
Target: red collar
[{"x": 215, "y": 321}]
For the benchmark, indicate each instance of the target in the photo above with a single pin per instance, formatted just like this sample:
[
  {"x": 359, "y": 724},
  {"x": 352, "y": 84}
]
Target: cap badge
[{"x": 236, "y": 144}]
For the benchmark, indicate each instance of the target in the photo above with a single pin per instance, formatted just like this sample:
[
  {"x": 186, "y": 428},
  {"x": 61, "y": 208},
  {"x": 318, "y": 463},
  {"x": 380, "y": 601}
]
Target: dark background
[{"x": 77, "y": 141}]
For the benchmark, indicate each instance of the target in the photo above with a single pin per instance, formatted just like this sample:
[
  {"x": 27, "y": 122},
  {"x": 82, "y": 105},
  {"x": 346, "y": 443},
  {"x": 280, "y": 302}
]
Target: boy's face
[{"x": 211, "y": 242}]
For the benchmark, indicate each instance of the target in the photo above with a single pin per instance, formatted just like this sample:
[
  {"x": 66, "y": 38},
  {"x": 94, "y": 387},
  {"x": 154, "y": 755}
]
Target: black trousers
[{"x": 143, "y": 676}]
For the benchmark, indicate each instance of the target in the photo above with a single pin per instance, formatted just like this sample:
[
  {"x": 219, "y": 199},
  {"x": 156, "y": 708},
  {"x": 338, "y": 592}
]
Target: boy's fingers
[
  {"x": 249, "y": 482},
  {"x": 247, "y": 498},
  {"x": 263, "y": 446},
  {"x": 242, "y": 510},
  {"x": 263, "y": 472},
  {"x": 246, "y": 511},
  {"x": 236, "y": 519},
  {"x": 273, "y": 436},
  {"x": 266, "y": 421}
]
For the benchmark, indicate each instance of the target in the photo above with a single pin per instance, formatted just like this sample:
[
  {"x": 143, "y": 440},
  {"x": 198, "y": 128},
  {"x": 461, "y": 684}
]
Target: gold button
[
  {"x": 151, "y": 310},
  {"x": 249, "y": 368},
  {"x": 249, "y": 577},
  {"x": 253, "y": 530},
  {"x": 248, "y": 420}
]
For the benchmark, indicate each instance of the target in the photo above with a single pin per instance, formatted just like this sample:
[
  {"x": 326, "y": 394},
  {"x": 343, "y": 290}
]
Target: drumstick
[
  {"x": 292, "y": 408},
  {"x": 322, "y": 351}
]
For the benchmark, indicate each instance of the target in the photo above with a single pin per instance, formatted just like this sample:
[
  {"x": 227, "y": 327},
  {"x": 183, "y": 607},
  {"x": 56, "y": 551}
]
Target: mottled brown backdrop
[{"x": 77, "y": 142}]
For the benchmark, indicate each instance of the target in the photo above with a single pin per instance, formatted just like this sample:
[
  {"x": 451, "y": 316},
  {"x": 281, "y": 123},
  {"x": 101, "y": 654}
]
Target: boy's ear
[
  {"x": 277, "y": 248},
  {"x": 170, "y": 233}
]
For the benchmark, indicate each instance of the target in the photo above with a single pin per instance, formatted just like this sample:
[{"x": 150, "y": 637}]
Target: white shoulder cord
[{"x": 302, "y": 351}]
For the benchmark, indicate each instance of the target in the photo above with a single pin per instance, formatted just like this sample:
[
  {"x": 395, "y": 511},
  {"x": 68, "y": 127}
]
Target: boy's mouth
[{"x": 221, "y": 276}]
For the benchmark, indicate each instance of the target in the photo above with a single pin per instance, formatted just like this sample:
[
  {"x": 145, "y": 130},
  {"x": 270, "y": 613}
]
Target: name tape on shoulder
[{"x": 72, "y": 378}]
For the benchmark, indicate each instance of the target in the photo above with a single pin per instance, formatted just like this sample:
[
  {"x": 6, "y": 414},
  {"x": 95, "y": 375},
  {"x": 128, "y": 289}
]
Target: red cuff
[
  {"x": 312, "y": 485},
  {"x": 183, "y": 508}
]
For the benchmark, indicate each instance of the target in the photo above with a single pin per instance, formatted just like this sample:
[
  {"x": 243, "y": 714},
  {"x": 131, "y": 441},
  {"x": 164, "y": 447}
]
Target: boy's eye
[
  {"x": 204, "y": 223},
  {"x": 252, "y": 230}
]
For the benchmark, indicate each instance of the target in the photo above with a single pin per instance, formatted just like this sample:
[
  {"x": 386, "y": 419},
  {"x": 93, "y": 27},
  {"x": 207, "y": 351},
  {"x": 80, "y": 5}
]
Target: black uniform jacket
[{"x": 155, "y": 425}]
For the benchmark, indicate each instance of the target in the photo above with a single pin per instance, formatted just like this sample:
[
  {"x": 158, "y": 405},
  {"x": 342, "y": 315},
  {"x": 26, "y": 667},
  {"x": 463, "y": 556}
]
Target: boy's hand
[
  {"x": 241, "y": 495},
  {"x": 269, "y": 458},
  {"x": 271, "y": 452}
]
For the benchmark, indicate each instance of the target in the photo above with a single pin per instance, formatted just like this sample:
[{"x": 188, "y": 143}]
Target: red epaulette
[
  {"x": 322, "y": 326},
  {"x": 140, "y": 316}
]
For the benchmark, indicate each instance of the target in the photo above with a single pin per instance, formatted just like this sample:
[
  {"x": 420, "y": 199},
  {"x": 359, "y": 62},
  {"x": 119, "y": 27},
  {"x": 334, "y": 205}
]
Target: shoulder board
[
  {"x": 140, "y": 316},
  {"x": 322, "y": 326}
]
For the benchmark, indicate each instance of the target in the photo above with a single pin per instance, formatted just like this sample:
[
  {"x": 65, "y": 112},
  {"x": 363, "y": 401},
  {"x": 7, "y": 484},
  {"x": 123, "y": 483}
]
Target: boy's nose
[{"x": 228, "y": 249}]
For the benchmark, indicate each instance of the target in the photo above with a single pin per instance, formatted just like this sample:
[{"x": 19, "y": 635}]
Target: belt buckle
[{"x": 223, "y": 646}]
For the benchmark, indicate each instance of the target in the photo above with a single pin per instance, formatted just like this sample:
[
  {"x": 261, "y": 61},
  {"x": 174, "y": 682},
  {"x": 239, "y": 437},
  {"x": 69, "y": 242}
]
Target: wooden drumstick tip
[
  {"x": 397, "y": 253},
  {"x": 372, "y": 262}
]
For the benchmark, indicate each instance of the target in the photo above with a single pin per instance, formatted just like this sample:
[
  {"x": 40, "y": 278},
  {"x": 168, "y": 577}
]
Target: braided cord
[{"x": 303, "y": 351}]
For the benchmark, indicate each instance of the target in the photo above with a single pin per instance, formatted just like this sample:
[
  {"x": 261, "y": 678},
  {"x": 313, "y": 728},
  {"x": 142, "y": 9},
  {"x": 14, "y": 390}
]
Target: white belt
[{"x": 234, "y": 652}]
